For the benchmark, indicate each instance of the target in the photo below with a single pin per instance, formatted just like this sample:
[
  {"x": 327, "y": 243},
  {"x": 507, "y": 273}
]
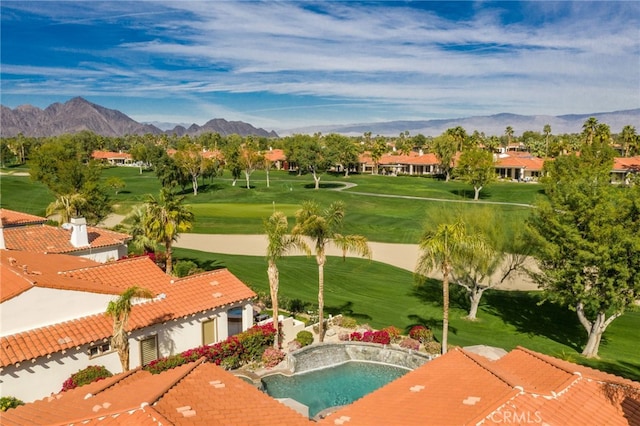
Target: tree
[
  {"x": 459, "y": 135},
  {"x": 441, "y": 249},
  {"x": 323, "y": 227},
  {"x": 476, "y": 167},
  {"x": 119, "y": 310},
  {"x": 192, "y": 161},
  {"x": 377, "y": 148},
  {"x": 629, "y": 139},
  {"x": 444, "y": 148},
  {"x": 310, "y": 156},
  {"x": 136, "y": 228},
  {"x": 587, "y": 236},
  {"x": 165, "y": 219},
  {"x": 232, "y": 157},
  {"x": 66, "y": 206},
  {"x": 547, "y": 132},
  {"x": 115, "y": 183},
  {"x": 509, "y": 134},
  {"x": 279, "y": 244},
  {"x": 589, "y": 129},
  {"x": 342, "y": 151},
  {"x": 250, "y": 159}
]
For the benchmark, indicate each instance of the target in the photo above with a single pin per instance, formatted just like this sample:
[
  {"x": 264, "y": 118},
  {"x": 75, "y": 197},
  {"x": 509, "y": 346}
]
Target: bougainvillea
[
  {"x": 421, "y": 333},
  {"x": 88, "y": 375},
  {"x": 409, "y": 343},
  {"x": 380, "y": 336},
  {"x": 272, "y": 357}
]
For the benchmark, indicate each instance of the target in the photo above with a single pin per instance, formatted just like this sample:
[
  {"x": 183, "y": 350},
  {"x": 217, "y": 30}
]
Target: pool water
[{"x": 333, "y": 386}]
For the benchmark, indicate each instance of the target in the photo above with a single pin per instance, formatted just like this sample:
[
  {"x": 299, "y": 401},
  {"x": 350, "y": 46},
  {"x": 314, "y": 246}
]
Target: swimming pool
[{"x": 333, "y": 386}]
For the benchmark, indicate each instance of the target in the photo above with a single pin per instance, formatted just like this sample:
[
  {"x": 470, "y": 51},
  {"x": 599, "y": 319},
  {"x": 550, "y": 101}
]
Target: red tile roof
[
  {"x": 626, "y": 163},
  {"x": 274, "y": 155},
  {"x": 182, "y": 297},
  {"x": 109, "y": 155},
  {"x": 193, "y": 394},
  {"x": 9, "y": 218},
  {"x": 521, "y": 387},
  {"x": 528, "y": 162},
  {"x": 52, "y": 239}
]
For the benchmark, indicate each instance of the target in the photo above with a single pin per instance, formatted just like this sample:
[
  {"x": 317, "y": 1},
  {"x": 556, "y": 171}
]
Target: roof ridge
[
  {"x": 480, "y": 360},
  {"x": 108, "y": 384},
  {"x": 190, "y": 368},
  {"x": 199, "y": 274}
]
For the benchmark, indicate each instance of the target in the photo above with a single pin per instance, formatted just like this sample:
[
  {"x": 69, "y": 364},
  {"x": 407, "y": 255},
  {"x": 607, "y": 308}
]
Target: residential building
[
  {"x": 53, "y": 321},
  {"x": 20, "y": 231},
  {"x": 113, "y": 158}
]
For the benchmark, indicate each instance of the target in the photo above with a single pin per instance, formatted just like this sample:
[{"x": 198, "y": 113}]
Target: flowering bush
[
  {"x": 381, "y": 337},
  {"x": 294, "y": 345},
  {"x": 231, "y": 353},
  {"x": 421, "y": 333},
  {"x": 343, "y": 336},
  {"x": 88, "y": 375},
  {"x": 393, "y": 332},
  {"x": 272, "y": 357},
  {"x": 409, "y": 343},
  {"x": 304, "y": 337},
  {"x": 7, "y": 402}
]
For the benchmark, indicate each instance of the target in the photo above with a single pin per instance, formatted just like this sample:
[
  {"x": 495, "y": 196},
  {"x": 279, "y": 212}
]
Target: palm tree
[
  {"x": 448, "y": 245},
  {"x": 140, "y": 240},
  {"x": 166, "y": 217},
  {"x": 322, "y": 227},
  {"x": 589, "y": 129},
  {"x": 547, "y": 132},
  {"x": 509, "y": 133},
  {"x": 120, "y": 309},
  {"x": 276, "y": 228},
  {"x": 628, "y": 138},
  {"x": 67, "y": 206}
]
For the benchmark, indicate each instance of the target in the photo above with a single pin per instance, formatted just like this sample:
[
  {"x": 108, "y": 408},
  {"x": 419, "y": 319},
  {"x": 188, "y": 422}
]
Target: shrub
[
  {"x": 421, "y": 333},
  {"x": 294, "y": 345},
  {"x": 272, "y": 357},
  {"x": 345, "y": 322},
  {"x": 433, "y": 347},
  {"x": 88, "y": 375},
  {"x": 184, "y": 268},
  {"x": 304, "y": 337},
  {"x": 7, "y": 402},
  {"x": 297, "y": 306},
  {"x": 343, "y": 336},
  {"x": 409, "y": 343},
  {"x": 230, "y": 362},
  {"x": 393, "y": 332}
]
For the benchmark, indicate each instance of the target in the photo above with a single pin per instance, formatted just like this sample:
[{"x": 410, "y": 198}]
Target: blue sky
[{"x": 290, "y": 64}]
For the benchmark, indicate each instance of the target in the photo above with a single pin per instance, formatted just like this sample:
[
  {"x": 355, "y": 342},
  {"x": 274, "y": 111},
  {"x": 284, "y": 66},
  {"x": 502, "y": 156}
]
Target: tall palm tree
[
  {"x": 322, "y": 227},
  {"x": 140, "y": 240},
  {"x": 441, "y": 249},
  {"x": 279, "y": 244},
  {"x": 166, "y": 217},
  {"x": 547, "y": 132},
  {"x": 589, "y": 129},
  {"x": 120, "y": 309},
  {"x": 67, "y": 206},
  {"x": 508, "y": 131},
  {"x": 629, "y": 137}
]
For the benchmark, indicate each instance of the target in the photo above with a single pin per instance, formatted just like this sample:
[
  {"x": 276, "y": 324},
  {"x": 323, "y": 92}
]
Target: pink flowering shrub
[
  {"x": 381, "y": 337},
  {"x": 272, "y": 357},
  {"x": 409, "y": 343},
  {"x": 421, "y": 333},
  {"x": 231, "y": 353},
  {"x": 91, "y": 374}
]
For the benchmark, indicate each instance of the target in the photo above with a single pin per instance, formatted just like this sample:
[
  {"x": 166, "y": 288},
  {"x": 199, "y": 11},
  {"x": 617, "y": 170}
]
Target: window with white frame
[
  {"x": 148, "y": 349},
  {"x": 209, "y": 335}
]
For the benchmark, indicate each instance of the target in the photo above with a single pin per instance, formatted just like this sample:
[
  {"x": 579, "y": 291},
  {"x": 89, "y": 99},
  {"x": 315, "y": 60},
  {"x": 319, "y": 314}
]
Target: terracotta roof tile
[
  {"x": 528, "y": 162},
  {"x": 182, "y": 297},
  {"x": 106, "y": 155},
  {"x": 275, "y": 155},
  {"x": 194, "y": 393},
  {"x": 10, "y": 218},
  {"x": 51, "y": 239}
]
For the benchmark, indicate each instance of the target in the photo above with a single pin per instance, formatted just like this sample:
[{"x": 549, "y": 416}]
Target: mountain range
[{"x": 78, "y": 114}]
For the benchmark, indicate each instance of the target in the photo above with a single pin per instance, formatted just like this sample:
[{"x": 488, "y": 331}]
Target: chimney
[
  {"x": 2, "y": 244},
  {"x": 79, "y": 234}
]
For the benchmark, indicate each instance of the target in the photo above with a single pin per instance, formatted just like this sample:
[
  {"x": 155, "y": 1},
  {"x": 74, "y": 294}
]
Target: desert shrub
[
  {"x": 296, "y": 306},
  {"x": 85, "y": 376},
  {"x": 365, "y": 327},
  {"x": 7, "y": 402},
  {"x": 184, "y": 268},
  {"x": 433, "y": 347},
  {"x": 293, "y": 345},
  {"x": 393, "y": 332},
  {"x": 304, "y": 337},
  {"x": 272, "y": 357},
  {"x": 421, "y": 333},
  {"x": 409, "y": 343},
  {"x": 345, "y": 322}
]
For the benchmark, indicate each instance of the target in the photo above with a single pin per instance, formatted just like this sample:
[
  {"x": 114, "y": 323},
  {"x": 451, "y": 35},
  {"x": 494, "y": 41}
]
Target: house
[
  {"x": 518, "y": 166},
  {"x": 197, "y": 393},
  {"x": 459, "y": 388},
  {"x": 277, "y": 158},
  {"x": 53, "y": 322},
  {"x": 113, "y": 158},
  {"x": 624, "y": 168},
  {"x": 521, "y": 387},
  {"x": 20, "y": 231},
  {"x": 414, "y": 163}
]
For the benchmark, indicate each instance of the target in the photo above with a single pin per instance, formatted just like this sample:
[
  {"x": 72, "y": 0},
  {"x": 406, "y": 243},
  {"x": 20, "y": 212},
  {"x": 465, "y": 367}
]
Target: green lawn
[{"x": 382, "y": 295}]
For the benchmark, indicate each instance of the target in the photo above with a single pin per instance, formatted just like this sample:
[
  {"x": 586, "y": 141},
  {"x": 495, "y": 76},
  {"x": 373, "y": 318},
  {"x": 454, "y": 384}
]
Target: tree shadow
[
  {"x": 206, "y": 265},
  {"x": 469, "y": 194},
  {"x": 431, "y": 292},
  {"x": 327, "y": 185},
  {"x": 346, "y": 309},
  {"x": 525, "y": 312}
]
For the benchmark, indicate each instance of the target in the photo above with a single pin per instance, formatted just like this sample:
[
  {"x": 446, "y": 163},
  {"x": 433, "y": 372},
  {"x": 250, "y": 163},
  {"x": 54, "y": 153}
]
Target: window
[
  {"x": 100, "y": 349},
  {"x": 234, "y": 321},
  {"x": 148, "y": 350},
  {"x": 209, "y": 335}
]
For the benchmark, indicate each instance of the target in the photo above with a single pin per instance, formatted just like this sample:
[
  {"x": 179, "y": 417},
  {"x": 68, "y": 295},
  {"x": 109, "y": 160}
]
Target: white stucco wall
[
  {"x": 30, "y": 381},
  {"x": 39, "y": 306},
  {"x": 103, "y": 254}
]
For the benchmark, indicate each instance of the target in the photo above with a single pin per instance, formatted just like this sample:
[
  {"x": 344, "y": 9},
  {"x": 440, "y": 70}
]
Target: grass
[
  {"x": 225, "y": 209},
  {"x": 382, "y": 295}
]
